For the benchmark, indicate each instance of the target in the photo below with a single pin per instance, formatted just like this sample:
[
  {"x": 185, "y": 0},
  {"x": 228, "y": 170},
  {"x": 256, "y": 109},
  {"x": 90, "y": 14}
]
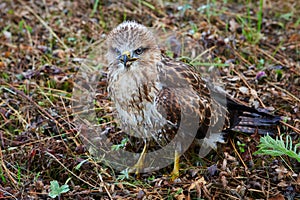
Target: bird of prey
[{"x": 157, "y": 98}]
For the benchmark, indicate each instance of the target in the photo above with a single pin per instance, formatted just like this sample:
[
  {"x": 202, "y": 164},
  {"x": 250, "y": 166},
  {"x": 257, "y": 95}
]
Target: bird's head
[{"x": 132, "y": 47}]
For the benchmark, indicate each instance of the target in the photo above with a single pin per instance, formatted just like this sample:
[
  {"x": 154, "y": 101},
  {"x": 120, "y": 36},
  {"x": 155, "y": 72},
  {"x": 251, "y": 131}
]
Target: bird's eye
[{"x": 139, "y": 51}]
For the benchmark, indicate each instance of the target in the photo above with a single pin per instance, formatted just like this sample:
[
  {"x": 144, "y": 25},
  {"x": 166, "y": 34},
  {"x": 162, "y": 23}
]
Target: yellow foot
[
  {"x": 137, "y": 168},
  {"x": 174, "y": 175},
  {"x": 175, "y": 172}
]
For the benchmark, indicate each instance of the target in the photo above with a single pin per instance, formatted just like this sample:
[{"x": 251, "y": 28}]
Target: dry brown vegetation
[{"x": 43, "y": 44}]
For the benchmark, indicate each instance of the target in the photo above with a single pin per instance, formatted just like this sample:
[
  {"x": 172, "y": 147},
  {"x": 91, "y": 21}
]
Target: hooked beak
[{"x": 126, "y": 58}]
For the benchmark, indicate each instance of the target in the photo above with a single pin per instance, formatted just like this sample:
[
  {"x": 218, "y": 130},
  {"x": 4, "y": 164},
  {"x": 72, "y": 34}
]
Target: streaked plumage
[{"x": 155, "y": 95}]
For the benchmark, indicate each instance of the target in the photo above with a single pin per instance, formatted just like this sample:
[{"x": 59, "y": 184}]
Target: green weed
[
  {"x": 56, "y": 190},
  {"x": 278, "y": 147}
]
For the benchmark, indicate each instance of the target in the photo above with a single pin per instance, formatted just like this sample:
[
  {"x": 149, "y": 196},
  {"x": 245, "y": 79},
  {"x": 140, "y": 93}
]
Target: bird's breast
[{"x": 136, "y": 105}]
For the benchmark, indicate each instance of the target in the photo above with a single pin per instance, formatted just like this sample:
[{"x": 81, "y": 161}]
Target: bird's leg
[
  {"x": 140, "y": 163},
  {"x": 175, "y": 172}
]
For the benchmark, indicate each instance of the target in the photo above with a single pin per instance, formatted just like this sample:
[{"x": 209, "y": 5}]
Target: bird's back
[{"x": 217, "y": 111}]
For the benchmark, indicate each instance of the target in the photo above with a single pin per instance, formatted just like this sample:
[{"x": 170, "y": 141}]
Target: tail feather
[
  {"x": 243, "y": 118},
  {"x": 250, "y": 120}
]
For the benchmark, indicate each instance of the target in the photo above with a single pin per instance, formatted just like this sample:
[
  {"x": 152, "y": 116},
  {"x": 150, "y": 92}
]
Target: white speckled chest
[{"x": 136, "y": 103}]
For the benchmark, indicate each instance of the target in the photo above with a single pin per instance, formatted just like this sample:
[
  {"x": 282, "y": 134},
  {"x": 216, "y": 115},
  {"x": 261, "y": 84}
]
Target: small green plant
[
  {"x": 261, "y": 63},
  {"x": 211, "y": 9},
  {"x": 151, "y": 178},
  {"x": 251, "y": 33},
  {"x": 287, "y": 16},
  {"x": 170, "y": 54},
  {"x": 279, "y": 74},
  {"x": 22, "y": 25},
  {"x": 116, "y": 147},
  {"x": 36, "y": 177},
  {"x": 56, "y": 190},
  {"x": 194, "y": 28},
  {"x": 124, "y": 174},
  {"x": 19, "y": 174},
  {"x": 5, "y": 76},
  {"x": 179, "y": 191},
  {"x": 278, "y": 147},
  {"x": 241, "y": 146},
  {"x": 147, "y": 4},
  {"x": 3, "y": 179},
  {"x": 80, "y": 164},
  {"x": 95, "y": 6},
  {"x": 6, "y": 28},
  {"x": 260, "y": 15}
]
